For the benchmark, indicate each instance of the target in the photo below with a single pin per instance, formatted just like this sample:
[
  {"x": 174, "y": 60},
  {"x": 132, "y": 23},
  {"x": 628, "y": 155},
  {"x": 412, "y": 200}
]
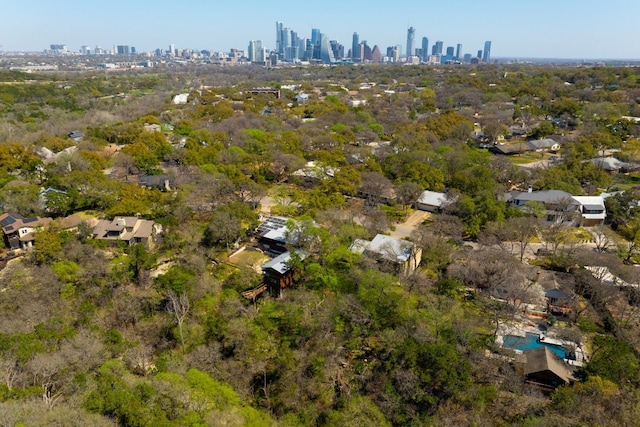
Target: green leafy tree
[
  {"x": 48, "y": 246},
  {"x": 140, "y": 261},
  {"x": 223, "y": 229},
  {"x": 614, "y": 360},
  {"x": 357, "y": 412}
]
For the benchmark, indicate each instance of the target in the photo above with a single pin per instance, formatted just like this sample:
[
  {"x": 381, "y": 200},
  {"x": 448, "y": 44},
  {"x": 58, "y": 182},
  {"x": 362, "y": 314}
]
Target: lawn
[
  {"x": 530, "y": 157},
  {"x": 249, "y": 259}
]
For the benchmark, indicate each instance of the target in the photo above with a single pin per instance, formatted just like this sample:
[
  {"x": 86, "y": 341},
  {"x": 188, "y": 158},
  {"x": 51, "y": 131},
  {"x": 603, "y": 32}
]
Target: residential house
[
  {"x": 72, "y": 223},
  {"x": 128, "y": 229},
  {"x": 273, "y": 235},
  {"x": 405, "y": 256},
  {"x": 592, "y": 210},
  {"x": 518, "y": 130},
  {"x": 279, "y": 274},
  {"x": 431, "y": 201},
  {"x": 511, "y": 149},
  {"x": 545, "y": 370},
  {"x": 153, "y": 127},
  {"x": 18, "y": 232},
  {"x": 313, "y": 173},
  {"x": 613, "y": 165},
  {"x": 158, "y": 182},
  {"x": 543, "y": 145},
  {"x": 301, "y": 98},
  {"x": 375, "y": 194},
  {"x": 561, "y": 207},
  {"x": 558, "y": 303},
  {"x": 357, "y": 102}
]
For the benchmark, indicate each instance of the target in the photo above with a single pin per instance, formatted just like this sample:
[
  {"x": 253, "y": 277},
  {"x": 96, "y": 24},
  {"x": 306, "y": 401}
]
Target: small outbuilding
[{"x": 545, "y": 370}]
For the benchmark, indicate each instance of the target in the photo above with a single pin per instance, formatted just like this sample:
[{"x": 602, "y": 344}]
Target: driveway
[{"x": 404, "y": 229}]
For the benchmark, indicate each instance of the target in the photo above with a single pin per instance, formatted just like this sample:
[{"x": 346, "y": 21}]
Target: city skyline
[{"x": 571, "y": 29}]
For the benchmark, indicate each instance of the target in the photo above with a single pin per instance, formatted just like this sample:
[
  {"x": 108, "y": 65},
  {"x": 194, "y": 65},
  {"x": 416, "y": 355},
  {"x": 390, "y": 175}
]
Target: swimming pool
[{"x": 529, "y": 342}]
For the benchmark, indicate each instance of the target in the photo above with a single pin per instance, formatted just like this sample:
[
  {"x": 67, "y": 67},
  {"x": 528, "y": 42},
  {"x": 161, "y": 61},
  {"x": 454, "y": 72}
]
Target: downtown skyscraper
[
  {"x": 425, "y": 49},
  {"x": 411, "y": 36},
  {"x": 486, "y": 55},
  {"x": 355, "y": 48}
]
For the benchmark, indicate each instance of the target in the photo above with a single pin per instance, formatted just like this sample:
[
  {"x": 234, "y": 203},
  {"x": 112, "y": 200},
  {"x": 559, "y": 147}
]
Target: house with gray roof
[
  {"x": 613, "y": 165},
  {"x": 279, "y": 273},
  {"x": 404, "y": 255},
  {"x": 545, "y": 144},
  {"x": 560, "y": 206}
]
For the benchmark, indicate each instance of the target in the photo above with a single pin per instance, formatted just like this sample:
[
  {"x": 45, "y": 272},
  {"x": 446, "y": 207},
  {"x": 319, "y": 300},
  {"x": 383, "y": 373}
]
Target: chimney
[{"x": 530, "y": 189}]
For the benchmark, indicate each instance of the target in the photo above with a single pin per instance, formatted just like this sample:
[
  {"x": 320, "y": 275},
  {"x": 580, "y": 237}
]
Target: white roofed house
[
  {"x": 404, "y": 255},
  {"x": 431, "y": 201},
  {"x": 592, "y": 210}
]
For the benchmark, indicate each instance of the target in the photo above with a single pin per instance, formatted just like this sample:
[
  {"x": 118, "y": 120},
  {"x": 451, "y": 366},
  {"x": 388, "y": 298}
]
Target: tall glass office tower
[
  {"x": 355, "y": 48},
  {"x": 411, "y": 35},
  {"x": 425, "y": 48},
  {"x": 486, "y": 55}
]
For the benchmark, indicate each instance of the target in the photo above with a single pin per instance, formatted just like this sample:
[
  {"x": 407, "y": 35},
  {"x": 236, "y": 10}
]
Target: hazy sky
[{"x": 544, "y": 28}]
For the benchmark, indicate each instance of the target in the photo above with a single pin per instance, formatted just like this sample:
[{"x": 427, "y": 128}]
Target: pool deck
[{"x": 522, "y": 331}]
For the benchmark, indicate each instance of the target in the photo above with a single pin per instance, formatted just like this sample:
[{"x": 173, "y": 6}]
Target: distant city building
[
  {"x": 393, "y": 53},
  {"x": 411, "y": 35},
  {"x": 376, "y": 55},
  {"x": 458, "y": 51},
  {"x": 326, "y": 54},
  {"x": 479, "y": 55},
  {"x": 337, "y": 48},
  {"x": 425, "y": 49},
  {"x": 279, "y": 38},
  {"x": 437, "y": 48},
  {"x": 486, "y": 57},
  {"x": 355, "y": 48},
  {"x": 58, "y": 48},
  {"x": 255, "y": 52},
  {"x": 450, "y": 51},
  {"x": 365, "y": 51},
  {"x": 125, "y": 50}
]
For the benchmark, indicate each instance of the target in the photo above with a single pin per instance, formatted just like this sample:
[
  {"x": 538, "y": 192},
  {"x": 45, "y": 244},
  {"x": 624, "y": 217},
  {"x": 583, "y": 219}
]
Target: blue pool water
[{"x": 529, "y": 342}]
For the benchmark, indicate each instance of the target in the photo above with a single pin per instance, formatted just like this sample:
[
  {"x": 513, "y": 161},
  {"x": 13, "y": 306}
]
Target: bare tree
[
  {"x": 515, "y": 233},
  {"x": 178, "y": 306},
  {"x": 140, "y": 360},
  {"x": 10, "y": 372},
  {"x": 603, "y": 238},
  {"x": 376, "y": 188},
  {"x": 408, "y": 193}
]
